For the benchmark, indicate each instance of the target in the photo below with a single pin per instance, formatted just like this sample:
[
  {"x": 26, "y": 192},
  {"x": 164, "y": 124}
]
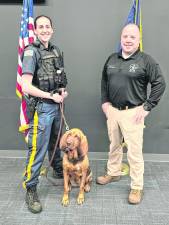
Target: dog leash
[{"x": 63, "y": 117}]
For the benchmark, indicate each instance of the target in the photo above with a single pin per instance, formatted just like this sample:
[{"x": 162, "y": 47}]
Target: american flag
[{"x": 26, "y": 37}]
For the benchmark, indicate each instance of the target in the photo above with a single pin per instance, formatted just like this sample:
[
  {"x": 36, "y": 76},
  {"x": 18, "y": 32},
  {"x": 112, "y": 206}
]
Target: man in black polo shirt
[{"x": 125, "y": 78}]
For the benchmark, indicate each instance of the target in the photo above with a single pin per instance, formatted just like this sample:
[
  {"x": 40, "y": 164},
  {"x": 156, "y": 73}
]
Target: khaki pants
[{"x": 120, "y": 124}]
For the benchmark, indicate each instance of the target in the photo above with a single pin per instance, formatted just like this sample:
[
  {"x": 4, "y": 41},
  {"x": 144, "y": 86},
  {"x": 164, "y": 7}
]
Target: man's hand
[
  {"x": 140, "y": 115},
  {"x": 105, "y": 108}
]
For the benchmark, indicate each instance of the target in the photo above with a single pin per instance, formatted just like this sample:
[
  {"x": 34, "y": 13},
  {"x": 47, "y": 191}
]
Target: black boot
[
  {"x": 57, "y": 168},
  {"x": 32, "y": 200},
  {"x": 58, "y": 173}
]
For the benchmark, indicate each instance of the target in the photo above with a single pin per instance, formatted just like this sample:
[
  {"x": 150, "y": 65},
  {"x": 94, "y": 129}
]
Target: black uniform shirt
[{"x": 125, "y": 81}]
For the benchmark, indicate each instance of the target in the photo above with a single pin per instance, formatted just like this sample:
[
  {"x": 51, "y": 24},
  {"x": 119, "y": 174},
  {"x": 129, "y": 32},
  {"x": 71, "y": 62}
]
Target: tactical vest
[{"x": 49, "y": 75}]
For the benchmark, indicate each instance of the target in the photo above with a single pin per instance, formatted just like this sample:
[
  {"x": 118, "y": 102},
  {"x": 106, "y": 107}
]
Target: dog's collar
[
  {"x": 78, "y": 159},
  {"x": 75, "y": 161}
]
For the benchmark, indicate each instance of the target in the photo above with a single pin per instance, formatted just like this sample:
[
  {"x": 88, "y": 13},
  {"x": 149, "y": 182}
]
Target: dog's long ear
[
  {"x": 62, "y": 143},
  {"x": 84, "y": 145}
]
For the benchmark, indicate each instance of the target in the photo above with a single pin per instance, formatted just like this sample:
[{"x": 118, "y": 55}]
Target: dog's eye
[{"x": 67, "y": 150}]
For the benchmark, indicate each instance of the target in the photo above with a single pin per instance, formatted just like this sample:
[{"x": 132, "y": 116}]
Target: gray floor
[{"x": 104, "y": 205}]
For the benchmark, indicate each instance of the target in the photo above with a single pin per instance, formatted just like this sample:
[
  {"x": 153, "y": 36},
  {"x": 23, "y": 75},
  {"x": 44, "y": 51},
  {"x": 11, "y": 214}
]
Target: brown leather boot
[
  {"x": 135, "y": 196},
  {"x": 107, "y": 179}
]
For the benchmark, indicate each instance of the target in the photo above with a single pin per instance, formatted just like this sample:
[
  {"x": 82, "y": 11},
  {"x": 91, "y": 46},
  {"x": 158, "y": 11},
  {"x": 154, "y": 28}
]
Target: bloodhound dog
[{"x": 76, "y": 168}]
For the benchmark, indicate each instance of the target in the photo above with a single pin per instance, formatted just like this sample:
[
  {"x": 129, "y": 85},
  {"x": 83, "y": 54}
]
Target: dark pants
[{"x": 42, "y": 135}]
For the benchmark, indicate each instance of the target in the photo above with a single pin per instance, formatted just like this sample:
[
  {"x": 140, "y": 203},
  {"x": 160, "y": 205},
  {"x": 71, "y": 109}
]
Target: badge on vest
[{"x": 28, "y": 52}]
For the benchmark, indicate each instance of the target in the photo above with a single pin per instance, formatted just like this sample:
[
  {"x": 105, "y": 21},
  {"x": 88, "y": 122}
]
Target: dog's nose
[{"x": 66, "y": 150}]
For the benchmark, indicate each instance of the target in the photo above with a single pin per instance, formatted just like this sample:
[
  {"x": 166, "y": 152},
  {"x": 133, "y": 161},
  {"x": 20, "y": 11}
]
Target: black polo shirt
[{"x": 125, "y": 81}]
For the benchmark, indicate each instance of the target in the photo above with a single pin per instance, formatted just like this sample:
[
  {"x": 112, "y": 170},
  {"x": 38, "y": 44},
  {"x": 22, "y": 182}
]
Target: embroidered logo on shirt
[
  {"x": 28, "y": 53},
  {"x": 133, "y": 68}
]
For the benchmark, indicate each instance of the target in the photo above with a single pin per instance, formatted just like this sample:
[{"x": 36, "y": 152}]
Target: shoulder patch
[{"x": 28, "y": 52}]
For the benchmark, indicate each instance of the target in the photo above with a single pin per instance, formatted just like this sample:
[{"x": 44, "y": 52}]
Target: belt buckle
[{"x": 123, "y": 107}]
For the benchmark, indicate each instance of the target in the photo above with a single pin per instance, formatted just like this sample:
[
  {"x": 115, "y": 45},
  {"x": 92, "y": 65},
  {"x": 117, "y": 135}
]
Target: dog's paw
[
  {"x": 87, "y": 188},
  {"x": 65, "y": 200},
  {"x": 80, "y": 199}
]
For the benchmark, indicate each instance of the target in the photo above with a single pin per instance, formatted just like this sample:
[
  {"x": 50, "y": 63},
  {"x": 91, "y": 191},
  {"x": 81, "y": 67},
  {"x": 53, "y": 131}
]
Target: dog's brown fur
[{"x": 76, "y": 168}]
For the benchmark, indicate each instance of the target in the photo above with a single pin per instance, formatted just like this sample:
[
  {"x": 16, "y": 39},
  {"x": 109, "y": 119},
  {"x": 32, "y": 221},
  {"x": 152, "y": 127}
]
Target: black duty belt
[
  {"x": 125, "y": 107},
  {"x": 46, "y": 100}
]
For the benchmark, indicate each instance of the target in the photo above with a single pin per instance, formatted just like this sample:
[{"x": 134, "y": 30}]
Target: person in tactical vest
[{"x": 43, "y": 83}]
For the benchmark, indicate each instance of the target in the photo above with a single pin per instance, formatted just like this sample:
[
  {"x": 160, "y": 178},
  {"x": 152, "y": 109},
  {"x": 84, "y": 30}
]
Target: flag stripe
[
  {"x": 141, "y": 32},
  {"x": 26, "y": 37}
]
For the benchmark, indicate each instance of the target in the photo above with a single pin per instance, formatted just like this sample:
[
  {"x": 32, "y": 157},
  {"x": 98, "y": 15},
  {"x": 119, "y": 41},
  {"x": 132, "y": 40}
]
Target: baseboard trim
[
  {"x": 92, "y": 155},
  {"x": 147, "y": 156}
]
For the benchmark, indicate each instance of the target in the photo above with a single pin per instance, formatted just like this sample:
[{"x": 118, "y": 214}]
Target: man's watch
[{"x": 146, "y": 108}]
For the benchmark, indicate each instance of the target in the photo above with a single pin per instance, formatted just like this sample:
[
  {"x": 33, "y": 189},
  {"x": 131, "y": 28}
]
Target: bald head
[
  {"x": 130, "y": 39},
  {"x": 133, "y": 27}
]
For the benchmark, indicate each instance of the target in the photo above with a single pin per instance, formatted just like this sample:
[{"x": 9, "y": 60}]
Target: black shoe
[
  {"x": 32, "y": 200},
  {"x": 58, "y": 174}
]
